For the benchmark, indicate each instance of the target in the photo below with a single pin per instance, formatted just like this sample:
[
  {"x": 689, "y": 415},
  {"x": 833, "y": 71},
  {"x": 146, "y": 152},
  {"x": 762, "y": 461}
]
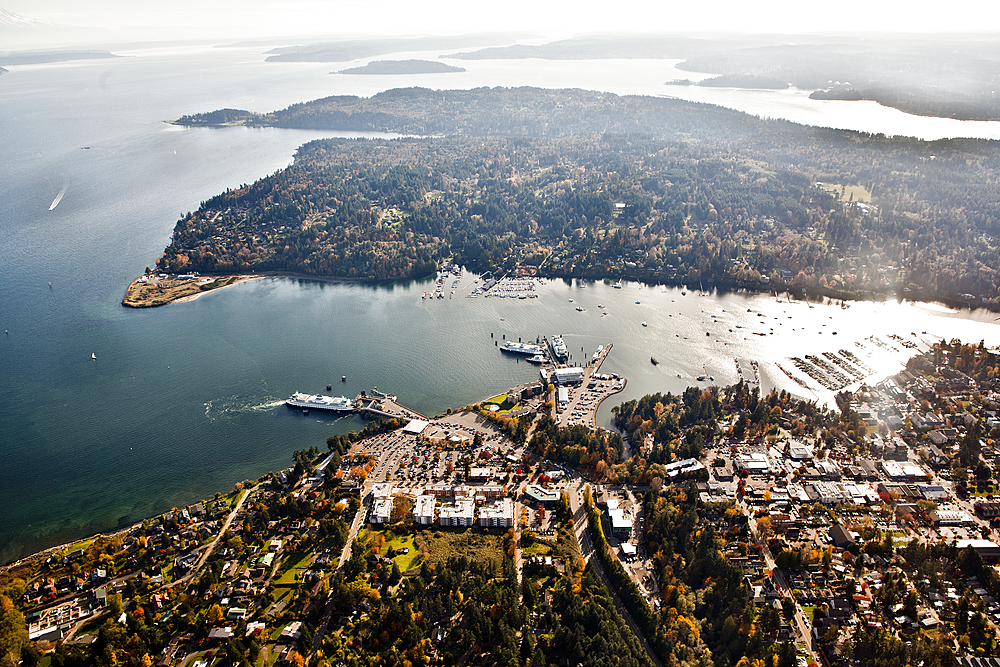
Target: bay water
[{"x": 186, "y": 400}]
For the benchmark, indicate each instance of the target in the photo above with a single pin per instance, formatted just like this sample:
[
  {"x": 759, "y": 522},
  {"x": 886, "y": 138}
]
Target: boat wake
[
  {"x": 55, "y": 202},
  {"x": 232, "y": 406}
]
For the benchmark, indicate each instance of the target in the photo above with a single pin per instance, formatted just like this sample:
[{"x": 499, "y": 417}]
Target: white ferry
[
  {"x": 529, "y": 349},
  {"x": 559, "y": 348},
  {"x": 320, "y": 402}
]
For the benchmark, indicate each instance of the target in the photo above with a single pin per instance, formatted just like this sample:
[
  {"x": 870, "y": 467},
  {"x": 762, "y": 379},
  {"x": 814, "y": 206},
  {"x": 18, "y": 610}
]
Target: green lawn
[
  {"x": 501, "y": 401},
  {"x": 538, "y": 548},
  {"x": 406, "y": 561},
  {"x": 296, "y": 563}
]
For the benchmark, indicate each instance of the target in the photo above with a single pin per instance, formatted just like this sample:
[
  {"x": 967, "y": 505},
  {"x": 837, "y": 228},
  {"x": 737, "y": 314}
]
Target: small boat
[
  {"x": 343, "y": 378},
  {"x": 538, "y": 359},
  {"x": 571, "y": 300},
  {"x": 93, "y": 355},
  {"x": 579, "y": 308},
  {"x": 329, "y": 387},
  {"x": 644, "y": 324},
  {"x": 601, "y": 305},
  {"x": 637, "y": 302},
  {"x": 653, "y": 361}
]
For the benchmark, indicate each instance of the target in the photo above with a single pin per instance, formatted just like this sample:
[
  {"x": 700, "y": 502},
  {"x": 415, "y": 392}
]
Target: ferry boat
[
  {"x": 559, "y": 348},
  {"x": 529, "y": 349},
  {"x": 320, "y": 402}
]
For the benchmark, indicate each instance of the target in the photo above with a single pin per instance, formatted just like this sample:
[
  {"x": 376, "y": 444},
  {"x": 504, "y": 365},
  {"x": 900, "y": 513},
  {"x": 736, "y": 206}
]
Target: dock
[{"x": 379, "y": 404}]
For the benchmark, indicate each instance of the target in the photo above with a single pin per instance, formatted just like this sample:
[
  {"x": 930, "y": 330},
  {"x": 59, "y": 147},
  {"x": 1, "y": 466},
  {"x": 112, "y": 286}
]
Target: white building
[
  {"x": 570, "y": 375},
  {"x": 423, "y": 512},
  {"x": 382, "y": 490},
  {"x": 500, "y": 514},
  {"x": 381, "y": 510},
  {"x": 462, "y": 513}
]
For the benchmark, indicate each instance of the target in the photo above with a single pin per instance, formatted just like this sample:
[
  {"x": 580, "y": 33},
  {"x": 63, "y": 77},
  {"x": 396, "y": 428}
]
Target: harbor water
[{"x": 109, "y": 415}]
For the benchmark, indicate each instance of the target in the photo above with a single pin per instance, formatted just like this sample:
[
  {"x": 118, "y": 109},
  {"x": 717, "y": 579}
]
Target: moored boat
[{"x": 320, "y": 402}]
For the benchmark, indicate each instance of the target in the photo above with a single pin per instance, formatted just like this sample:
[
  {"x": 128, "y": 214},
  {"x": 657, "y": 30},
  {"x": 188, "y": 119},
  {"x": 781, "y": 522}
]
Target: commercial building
[
  {"x": 570, "y": 375},
  {"x": 540, "y": 495},
  {"x": 500, "y": 514},
  {"x": 462, "y": 513},
  {"x": 621, "y": 523},
  {"x": 381, "y": 511},
  {"x": 423, "y": 511}
]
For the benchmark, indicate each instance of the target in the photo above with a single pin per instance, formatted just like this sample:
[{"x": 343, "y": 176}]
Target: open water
[{"x": 184, "y": 401}]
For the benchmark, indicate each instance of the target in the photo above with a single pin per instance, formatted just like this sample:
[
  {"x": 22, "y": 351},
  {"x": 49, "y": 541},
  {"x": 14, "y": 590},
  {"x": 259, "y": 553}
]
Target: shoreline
[
  {"x": 173, "y": 291},
  {"x": 185, "y": 291}
]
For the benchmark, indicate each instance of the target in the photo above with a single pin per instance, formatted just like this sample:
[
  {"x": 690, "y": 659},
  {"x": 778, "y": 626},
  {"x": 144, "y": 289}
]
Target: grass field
[
  {"x": 502, "y": 402},
  {"x": 537, "y": 549},
  {"x": 475, "y": 544},
  {"x": 406, "y": 561},
  {"x": 858, "y": 191},
  {"x": 295, "y": 564}
]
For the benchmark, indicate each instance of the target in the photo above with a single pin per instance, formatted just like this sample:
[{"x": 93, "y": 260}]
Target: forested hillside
[{"x": 608, "y": 186}]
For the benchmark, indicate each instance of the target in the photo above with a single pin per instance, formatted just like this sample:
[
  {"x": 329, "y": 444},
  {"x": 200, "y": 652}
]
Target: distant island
[
  {"x": 40, "y": 57},
  {"x": 735, "y": 81},
  {"x": 572, "y": 183},
  {"x": 402, "y": 67},
  {"x": 922, "y": 76},
  {"x": 347, "y": 50}
]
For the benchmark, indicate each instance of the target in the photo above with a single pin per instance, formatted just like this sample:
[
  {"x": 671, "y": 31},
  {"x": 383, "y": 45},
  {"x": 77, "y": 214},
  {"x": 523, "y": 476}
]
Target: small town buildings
[{"x": 621, "y": 523}]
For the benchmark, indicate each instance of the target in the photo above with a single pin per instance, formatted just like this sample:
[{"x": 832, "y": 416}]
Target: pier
[{"x": 379, "y": 404}]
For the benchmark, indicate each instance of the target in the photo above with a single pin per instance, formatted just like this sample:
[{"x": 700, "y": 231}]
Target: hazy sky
[{"x": 333, "y": 17}]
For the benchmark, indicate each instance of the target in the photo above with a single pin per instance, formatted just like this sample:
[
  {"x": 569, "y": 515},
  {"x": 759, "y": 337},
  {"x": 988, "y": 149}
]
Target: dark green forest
[{"x": 651, "y": 189}]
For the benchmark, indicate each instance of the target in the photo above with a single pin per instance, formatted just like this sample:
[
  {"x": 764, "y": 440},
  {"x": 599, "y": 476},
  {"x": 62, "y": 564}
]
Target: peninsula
[
  {"x": 574, "y": 183},
  {"x": 151, "y": 290},
  {"x": 389, "y": 67}
]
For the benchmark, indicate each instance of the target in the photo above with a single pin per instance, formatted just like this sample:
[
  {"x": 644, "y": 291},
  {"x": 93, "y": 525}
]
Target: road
[
  {"x": 801, "y": 623},
  {"x": 207, "y": 551},
  {"x": 587, "y": 550}
]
